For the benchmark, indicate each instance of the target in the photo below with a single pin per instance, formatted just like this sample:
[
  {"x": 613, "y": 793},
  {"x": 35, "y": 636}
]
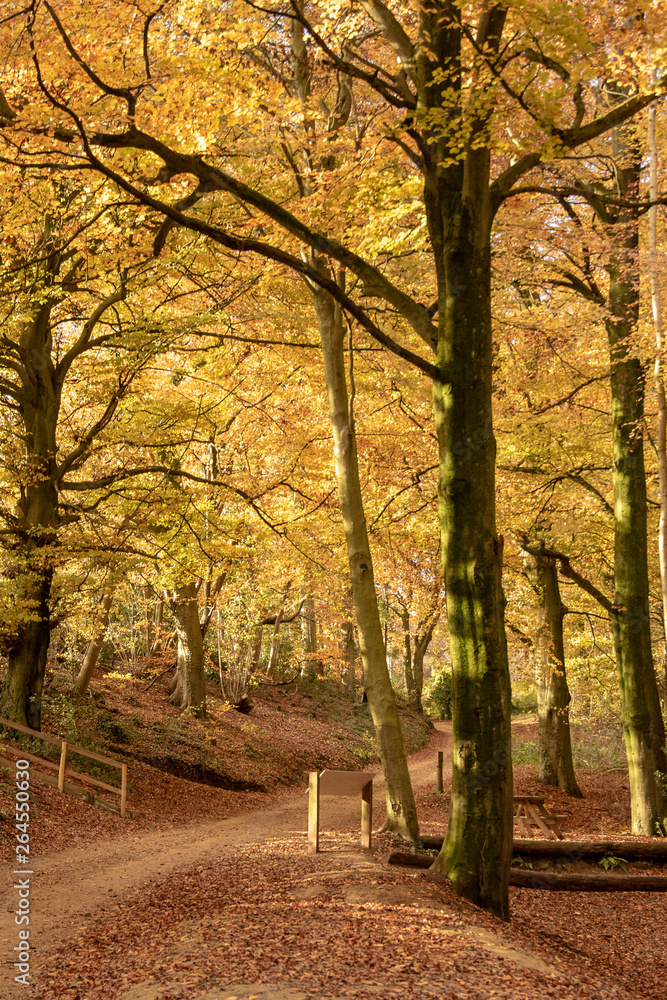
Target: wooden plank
[
  {"x": 552, "y": 822},
  {"x": 536, "y": 800},
  {"x": 39, "y": 777},
  {"x": 57, "y": 740},
  {"x": 344, "y": 782},
  {"x": 92, "y": 781},
  {"x": 95, "y": 756},
  {"x": 313, "y": 812},
  {"x": 366, "y": 815},
  {"x": 21, "y": 754},
  {"x": 537, "y": 820},
  {"x": 524, "y": 826},
  {"x": 69, "y": 771}
]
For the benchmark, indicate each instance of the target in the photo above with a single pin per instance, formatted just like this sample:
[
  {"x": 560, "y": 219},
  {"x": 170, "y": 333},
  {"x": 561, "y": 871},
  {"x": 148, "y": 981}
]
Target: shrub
[
  {"x": 524, "y": 702},
  {"x": 439, "y": 694}
]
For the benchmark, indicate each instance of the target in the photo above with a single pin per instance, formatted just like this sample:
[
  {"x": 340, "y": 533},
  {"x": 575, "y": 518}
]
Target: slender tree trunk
[
  {"x": 349, "y": 654},
  {"x": 659, "y": 381},
  {"x": 407, "y": 655},
  {"x": 309, "y": 637},
  {"x": 553, "y": 695},
  {"x": 159, "y": 619},
  {"x": 273, "y": 652},
  {"x": 642, "y": 719},
  {"x": 94, "y": 646},
  {"x": 256, "y": 650},
  {"x": 148, "y": 593},
  {"x": 422, "y": 642},
  {"x": 401, "y": 810},
  {"x": 190, "y": 685}
]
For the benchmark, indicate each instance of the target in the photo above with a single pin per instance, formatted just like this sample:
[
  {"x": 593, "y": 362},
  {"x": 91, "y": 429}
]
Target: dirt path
[{"x": 68, "y": 887}]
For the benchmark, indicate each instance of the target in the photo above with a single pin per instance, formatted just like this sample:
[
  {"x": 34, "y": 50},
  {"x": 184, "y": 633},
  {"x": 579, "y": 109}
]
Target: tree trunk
[
  {"x": 659, "y": 381},
  {"x": 643, "y": 725},
  {"x": 94, "y": 646},
  {"x": 273, "y": 652},
  {"x": 148, "y": 593},
  {"x": 407, "y": 655},
  {"x": 21, "y": 699},
  {"x": 159, "y": 618},
  {"x": 190, "y": 686},
  {"x": 401, "y": 810},
  {"x": 349, "y": 654},
  {"x": 459, "y": 214},
  {"x": 553, "y": 695},
  {"x": 309, "y": 637},
  {"x": 422, "y": 642}
]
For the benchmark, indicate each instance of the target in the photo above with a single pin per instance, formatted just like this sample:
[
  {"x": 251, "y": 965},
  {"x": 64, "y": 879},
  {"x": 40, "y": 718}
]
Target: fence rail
[{"x": 67, "y": 772}]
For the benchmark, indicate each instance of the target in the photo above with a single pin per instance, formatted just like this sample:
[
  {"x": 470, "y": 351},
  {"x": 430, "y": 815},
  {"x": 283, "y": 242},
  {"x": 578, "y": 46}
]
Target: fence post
[
  {"x": 366, "y": 815},
  {"x": 63, "y": 763},
  {"x": 123, "y": 789},
  {"x": 313, "y": 812},
  {"x": 440, "y": 786}
]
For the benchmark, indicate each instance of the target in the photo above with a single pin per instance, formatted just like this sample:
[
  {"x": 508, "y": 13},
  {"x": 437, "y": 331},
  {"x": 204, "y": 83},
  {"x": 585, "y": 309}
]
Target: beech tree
[
  {"x": 482, "y": 96},
  {"x": 553, "y": 696},
  {"x": 612, "y": 190},
  {"x": 63, "y": 310}
]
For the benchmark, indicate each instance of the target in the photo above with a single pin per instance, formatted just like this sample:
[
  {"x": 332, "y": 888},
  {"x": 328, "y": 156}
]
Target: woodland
[{"x": 332, "y": 349}]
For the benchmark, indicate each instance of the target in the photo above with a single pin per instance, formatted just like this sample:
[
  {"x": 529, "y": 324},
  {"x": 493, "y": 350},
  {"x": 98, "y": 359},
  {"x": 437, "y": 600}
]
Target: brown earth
[{"x": 234, "y": 907}]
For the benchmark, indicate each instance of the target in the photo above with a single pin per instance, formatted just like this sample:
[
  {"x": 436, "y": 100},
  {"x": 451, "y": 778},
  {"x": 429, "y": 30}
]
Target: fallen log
[
  {"x": 575, "y": 850},
  {"x": 411, "y": 860},
  {"x": 576, "y": 882}
]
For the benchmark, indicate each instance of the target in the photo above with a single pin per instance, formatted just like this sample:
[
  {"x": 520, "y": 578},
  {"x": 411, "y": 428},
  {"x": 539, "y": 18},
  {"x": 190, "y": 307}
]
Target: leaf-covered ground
[{"x": 197, "y": 906}]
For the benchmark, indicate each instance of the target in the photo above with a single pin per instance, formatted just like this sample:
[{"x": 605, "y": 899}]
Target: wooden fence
[{"x": 64, "y": 772}]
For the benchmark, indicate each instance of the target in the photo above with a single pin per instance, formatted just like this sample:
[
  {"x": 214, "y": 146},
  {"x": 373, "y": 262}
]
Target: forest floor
[{"x": 211, "y": 895}]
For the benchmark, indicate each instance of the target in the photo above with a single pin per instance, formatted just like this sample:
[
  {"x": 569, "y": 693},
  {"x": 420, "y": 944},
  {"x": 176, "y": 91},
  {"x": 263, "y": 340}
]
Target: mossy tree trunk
[
  {"x": 643, "y": 725},
  {"x": 553, "y": 695},
  {"x": 477, "y": 849},
  {"x": 401, "y": 809}
]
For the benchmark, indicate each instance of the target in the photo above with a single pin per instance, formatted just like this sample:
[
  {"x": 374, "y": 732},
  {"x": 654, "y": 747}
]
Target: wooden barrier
[
  {"x": 64, "y": 771},
  {"x": 339, "y": 783},
  {"x": 574, "y": 882}
]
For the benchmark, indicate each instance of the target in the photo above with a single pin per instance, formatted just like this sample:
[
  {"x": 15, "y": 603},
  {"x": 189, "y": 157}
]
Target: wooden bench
[{"x": 532, "y": 819}]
